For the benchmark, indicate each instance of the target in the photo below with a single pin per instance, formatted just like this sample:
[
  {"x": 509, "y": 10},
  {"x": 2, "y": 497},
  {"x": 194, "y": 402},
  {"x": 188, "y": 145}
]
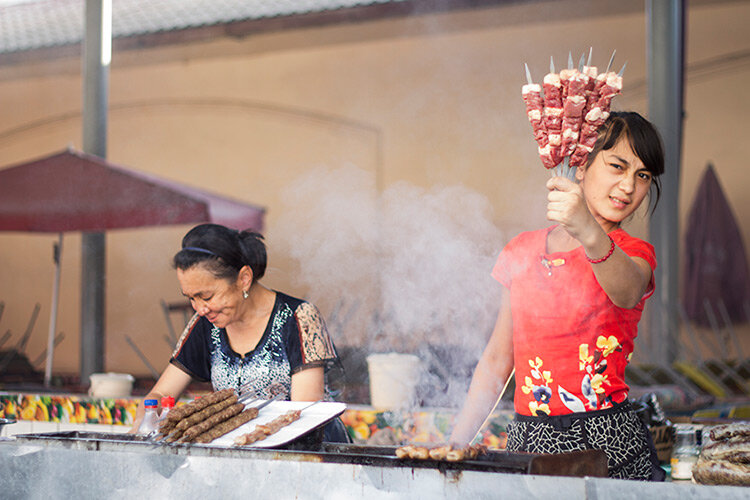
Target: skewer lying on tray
[
  {"x": 443, "y": 452},
  {"x": 262, "y": 431},
  {"x": 208, "y": 418}
]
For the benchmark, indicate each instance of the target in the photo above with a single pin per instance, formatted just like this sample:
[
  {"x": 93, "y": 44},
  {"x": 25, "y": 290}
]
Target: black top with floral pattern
[{"x": 295, "y": 338}]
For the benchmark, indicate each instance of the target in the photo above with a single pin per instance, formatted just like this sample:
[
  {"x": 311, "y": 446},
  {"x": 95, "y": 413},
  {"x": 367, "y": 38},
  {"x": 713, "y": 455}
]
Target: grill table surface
[
  {"x": 309, "y": 447},
  {"x": 99, "y": 465}
]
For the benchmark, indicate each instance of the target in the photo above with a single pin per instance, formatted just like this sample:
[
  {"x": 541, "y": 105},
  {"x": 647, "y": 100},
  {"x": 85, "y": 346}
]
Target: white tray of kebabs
[
  {"x": 286, "y": 421},
  {"x": 222, "y": 419}
]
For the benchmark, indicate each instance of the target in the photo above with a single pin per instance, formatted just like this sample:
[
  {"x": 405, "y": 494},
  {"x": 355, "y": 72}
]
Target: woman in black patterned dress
[{"x": 243, "y": 334}]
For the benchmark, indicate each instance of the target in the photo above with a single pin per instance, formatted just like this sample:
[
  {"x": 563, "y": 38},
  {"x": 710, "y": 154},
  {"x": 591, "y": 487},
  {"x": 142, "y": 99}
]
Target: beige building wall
[{"x": 420, "y": 104}]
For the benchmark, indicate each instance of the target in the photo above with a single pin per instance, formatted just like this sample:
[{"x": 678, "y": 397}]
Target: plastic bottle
[
  {"x": 685, "y": 452},
  {"x": 148, "y": 424},
  {"x": 167, "y": 403}
]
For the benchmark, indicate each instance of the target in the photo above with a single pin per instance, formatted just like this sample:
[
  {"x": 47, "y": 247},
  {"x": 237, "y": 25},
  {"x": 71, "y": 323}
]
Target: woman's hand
[
  {"x": 493, "y": 369},
  {"x": 172, "y": 382},
  {"x": 567, "y": 206},
  {"x": 623, "y": 279}
]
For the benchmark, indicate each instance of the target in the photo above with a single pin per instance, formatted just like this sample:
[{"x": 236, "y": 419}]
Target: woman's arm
[
  {"x": 493, "y": 369},
  {"x": 623, "y": 278},
  {"x": 172, "y": 382},
  {"x": 307, "y": 384}
]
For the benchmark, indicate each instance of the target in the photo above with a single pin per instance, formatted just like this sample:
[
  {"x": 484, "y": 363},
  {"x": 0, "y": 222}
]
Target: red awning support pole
[{"x": 56, "y": 256}]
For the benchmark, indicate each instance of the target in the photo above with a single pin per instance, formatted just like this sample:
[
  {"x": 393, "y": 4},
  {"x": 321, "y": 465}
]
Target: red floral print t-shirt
[{"x": 571, "y": 343}]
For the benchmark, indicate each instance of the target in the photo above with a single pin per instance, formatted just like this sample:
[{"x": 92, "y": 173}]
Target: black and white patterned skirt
[{"x": 617, "y": 431}]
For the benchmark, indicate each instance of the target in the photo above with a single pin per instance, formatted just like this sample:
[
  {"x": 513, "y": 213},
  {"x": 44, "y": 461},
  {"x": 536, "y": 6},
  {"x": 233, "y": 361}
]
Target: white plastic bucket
[
  {"x": 111, "y": 385},
  {"x": 393, "y": 379}
]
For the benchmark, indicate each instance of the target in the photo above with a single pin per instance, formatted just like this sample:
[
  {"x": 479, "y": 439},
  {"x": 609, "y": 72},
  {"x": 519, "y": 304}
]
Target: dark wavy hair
[
  {"x": 643, "y": 138},
  {"x": 223, "y": 251}
]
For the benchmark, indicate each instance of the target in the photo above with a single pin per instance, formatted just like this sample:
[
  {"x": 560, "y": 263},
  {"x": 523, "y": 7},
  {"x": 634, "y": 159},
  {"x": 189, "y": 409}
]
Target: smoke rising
[{"x": 405, "y": 270}]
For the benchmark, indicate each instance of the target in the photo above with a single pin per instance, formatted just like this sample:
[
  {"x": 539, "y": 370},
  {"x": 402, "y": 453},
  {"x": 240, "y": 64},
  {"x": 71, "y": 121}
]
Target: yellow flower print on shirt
[
  {"x": 607, "y": 345},
  {"x": 596, "y": 383},
  {"x": 535, "y": 407},
  {"x": 584, "y": 357},
  {"x": 594, "y": 365},
  {"x": 538, "y": 386},
  {"x": 538, "y": 374}
]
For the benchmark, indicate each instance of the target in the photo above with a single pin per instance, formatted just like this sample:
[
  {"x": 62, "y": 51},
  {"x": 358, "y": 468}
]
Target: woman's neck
[{"x": 257, "y": 306}]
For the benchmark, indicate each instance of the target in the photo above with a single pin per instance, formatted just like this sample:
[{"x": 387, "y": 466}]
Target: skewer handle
[{"x": 268, "y": 402}]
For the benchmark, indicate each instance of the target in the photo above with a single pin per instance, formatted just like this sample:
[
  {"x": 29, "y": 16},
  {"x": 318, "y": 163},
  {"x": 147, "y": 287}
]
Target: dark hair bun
[{"x": 225, "y": 251}]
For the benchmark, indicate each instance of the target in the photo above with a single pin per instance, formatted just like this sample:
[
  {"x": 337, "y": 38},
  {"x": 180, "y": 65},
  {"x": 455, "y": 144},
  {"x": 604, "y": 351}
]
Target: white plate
[{"x": 311, "y": 417}]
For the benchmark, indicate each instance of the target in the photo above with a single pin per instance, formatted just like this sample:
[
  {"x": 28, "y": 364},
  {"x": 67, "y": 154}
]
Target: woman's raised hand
[{"x": 567, "y": 206}]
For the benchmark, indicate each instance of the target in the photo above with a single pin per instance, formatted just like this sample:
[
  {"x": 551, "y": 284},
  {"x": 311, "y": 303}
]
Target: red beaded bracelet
[{"x": 609, "y": 254}]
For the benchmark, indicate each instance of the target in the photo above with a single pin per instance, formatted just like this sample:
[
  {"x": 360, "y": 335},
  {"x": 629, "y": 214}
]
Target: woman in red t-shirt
[{"x": 572, "y": 297}]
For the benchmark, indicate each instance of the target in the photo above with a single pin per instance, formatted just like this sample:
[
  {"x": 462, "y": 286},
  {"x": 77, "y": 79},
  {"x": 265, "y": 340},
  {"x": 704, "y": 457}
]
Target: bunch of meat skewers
[
  {"x": 566, "y": 111},
  {"x": 441, "y": 452},
  {"x": 726, "y": 460},
  {"x": 214, "y": 415},
  {"x": 205, "y": 419}
]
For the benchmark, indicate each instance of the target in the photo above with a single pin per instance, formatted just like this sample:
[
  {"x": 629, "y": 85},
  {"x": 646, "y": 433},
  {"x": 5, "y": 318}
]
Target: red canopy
[{"x": 74, "y": 191}]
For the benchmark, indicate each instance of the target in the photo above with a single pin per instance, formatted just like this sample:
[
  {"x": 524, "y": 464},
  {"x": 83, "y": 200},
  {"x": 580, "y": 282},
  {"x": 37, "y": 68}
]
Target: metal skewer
[
  {"x": 567, "y": 169},
  {"x": 247, "y": 399},
  {"x": 308, "y": 406},
  {"x": 268, "y": 402},
  {"x": 582, "y": 62},
  {"x": 489, "y": 415},
  {"x": 551, "y": 65},
  {"x": 588, "y": 63},
  {"x": 611, "y": 60},
  {"x": 528, "y": 74},
  {"x": 570, "y": 60},
  {"x": 623, "y": 69}
]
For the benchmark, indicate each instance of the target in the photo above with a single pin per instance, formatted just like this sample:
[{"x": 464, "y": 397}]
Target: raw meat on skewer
[
  {"x": 554, "y": 90},
  {"x": 597, "y": 115},
  {"x": 532, "y": 96},
  {"x": 575, "y": 102},
  {"x": 566, "y": 111}
]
